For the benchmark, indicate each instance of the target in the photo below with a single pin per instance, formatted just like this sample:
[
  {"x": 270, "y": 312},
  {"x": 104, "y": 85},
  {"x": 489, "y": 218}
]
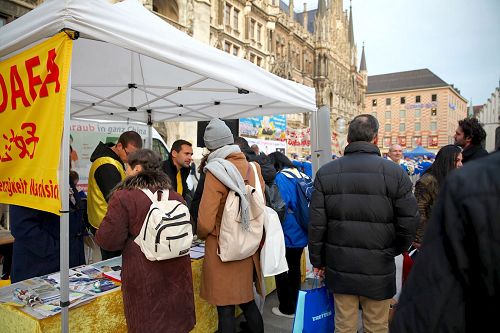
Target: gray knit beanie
[{"x": 217, "y": 134}]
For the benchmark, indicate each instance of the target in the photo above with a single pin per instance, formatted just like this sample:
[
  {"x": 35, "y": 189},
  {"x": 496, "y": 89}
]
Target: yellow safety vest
[{"x": 96, "y": 203}]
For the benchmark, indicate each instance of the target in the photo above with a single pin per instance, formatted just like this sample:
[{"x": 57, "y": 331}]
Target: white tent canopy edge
[{"x": 127, "y": 61}]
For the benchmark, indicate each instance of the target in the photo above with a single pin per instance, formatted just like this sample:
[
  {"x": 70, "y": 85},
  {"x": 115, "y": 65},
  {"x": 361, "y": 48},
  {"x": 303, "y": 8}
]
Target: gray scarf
[{"x": 227, "y": 173}]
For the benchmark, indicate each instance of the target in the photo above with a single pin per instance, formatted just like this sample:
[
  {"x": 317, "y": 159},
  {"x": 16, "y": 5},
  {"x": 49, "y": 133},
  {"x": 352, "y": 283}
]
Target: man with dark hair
[
  {"x": 363, "y": 214},
  {"x": 470, "y": 135},
  {"x": 106, "y": 171},
  {"x": 178, "y": 167},
  {"x": 454, "y": 285}
]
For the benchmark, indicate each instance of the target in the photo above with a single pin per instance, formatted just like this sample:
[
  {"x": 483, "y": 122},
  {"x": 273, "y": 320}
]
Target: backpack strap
[
  {"x": 257, "y": 180},
  {"x": 290, "y": 174},
  {"x": 164, "y": 194}
]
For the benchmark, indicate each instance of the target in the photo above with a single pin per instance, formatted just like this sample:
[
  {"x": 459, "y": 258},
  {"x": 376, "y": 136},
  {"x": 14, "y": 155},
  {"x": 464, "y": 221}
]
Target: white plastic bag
[{"x": 273, "y": 253}]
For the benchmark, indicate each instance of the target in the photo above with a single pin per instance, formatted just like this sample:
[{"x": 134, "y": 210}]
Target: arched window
[{"x": 168, "y": 8}]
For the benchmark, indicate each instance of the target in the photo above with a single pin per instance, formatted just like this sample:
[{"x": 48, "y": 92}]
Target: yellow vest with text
[{"x": 96, "y": 203}]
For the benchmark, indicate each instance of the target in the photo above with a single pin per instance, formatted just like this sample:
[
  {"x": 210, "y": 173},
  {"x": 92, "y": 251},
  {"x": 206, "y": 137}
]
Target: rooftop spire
[
  {"x": 351, "y": 26},
  {"x": 321, "y": 8},
  {"x": 362, "y": 66}
]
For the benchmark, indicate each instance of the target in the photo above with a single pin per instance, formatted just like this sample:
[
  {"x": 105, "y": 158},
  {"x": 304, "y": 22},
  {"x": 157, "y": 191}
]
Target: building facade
[
  {"x": 414, "y": 108},
  {"x": 489, "y": 116},
  {"x": 312, "y": 47}
]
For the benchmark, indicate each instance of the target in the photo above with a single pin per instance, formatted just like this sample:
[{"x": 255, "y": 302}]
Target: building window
[
  {"x": 374, "y": 102},
  {"x": 259, "y": 31},
  {"x": 252, "y": 29},
  {"x": 417, "y": 141},
  {"x": 402, "y": 127},
  {"x": 402, "y": 100},
  {"x": 402, "y": 141},
  {"x": 252, "y": 58},
  {"x": 387, "y": 114},
  {"x": 433, "y": 112},
  {"x": 434, "y": 97},
  {"x": 417, "y": 113},
  {"x": 387, "y": 101},
  {"x": 387, "y": 127},
  {"x": 3, "y": 21},
  {"x": 417, "y": 127},
  {"x": 417, "y": 99},
  {"x": 374, "y": 114},
  {"x": 236, "y": 14},
  {"x": 259, "y": 61},
  {"x": 402, "y": 113},
  {"x": 236, "y": 50},
  {"x": 387, "y": 142},
  {"x": 433, "y": 126},
  {"x": 227, "y": 47},
  {"x": 433, "y": 141},
  {"x": 227, "y": 15}
]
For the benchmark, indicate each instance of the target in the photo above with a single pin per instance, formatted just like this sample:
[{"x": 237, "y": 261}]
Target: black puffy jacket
[{"x": 363, "y": 214}]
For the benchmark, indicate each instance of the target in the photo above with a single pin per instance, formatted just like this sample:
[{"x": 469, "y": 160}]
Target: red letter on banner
[
  {"x": 33, "y": 80},
  {"x": 3, "y": 106},
  {"x": 52, "y": 76},
  {"x": 17, "y": 93}
]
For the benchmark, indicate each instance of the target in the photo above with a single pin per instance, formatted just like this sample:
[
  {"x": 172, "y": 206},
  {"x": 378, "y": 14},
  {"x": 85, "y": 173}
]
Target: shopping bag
[
  {"x": 273, "y": 253},
  {"x": 314, "y": 312},
  {"x": 408, "y": 260}
]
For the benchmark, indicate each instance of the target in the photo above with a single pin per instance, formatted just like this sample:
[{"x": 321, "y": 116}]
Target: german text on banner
[{"x": 32, "y": 104}]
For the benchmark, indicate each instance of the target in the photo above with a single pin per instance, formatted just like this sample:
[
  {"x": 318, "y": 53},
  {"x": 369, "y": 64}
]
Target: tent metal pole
[
  {"x": 64, "y": 225},
  {"x": 321, "y": 138},
  {"x": 150, "y": 130}
]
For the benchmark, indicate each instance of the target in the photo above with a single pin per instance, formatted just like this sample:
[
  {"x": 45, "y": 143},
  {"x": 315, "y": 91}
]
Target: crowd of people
[{"x": 364, "y": 211}]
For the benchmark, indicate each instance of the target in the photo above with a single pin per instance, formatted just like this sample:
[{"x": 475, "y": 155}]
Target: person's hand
[{"x": 319, "y": 272}]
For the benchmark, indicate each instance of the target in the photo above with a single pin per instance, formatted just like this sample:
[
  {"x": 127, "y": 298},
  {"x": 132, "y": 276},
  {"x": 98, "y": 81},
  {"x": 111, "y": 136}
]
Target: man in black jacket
[
  {"x": 469, "y": 135},
  {"x": 178, "y": 167},
  {"x": 454, "y": 285},
  {"x": 363, "y": 214}
]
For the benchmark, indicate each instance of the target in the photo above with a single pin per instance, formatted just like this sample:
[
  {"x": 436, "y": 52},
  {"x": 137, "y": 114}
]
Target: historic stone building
[
  {"x": 489, "y": 116},
  {"x": 414, "y": 108},
  {"x": 313, "y": 47}
]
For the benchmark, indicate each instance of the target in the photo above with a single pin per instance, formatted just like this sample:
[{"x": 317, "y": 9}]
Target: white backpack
[
  {"x": 235, "y": 243},
  {"x": 166, "y": 232}
]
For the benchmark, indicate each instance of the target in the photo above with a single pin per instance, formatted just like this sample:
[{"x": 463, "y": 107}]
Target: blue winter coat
[
  {"x": 295, "y": 236},
  {"x": 36, "y": 245}
]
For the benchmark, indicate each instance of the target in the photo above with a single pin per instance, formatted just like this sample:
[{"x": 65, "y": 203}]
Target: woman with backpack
[
  {"x": 157, "y": 295},
  {"x": 288, "y": 283},
  {"x": 229, "y": 283}
]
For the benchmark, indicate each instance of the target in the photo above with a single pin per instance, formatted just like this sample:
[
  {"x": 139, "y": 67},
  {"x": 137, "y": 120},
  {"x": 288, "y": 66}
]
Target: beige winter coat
[{"x": 225, "y": 283}]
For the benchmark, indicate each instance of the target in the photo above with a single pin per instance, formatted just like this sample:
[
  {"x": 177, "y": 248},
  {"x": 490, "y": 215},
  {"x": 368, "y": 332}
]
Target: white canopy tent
[{"x": 128, "y": 64}]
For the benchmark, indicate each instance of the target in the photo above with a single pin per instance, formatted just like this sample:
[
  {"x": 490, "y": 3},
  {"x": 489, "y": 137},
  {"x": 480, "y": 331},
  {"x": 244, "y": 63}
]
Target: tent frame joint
[{"x": 73, "y": 34}]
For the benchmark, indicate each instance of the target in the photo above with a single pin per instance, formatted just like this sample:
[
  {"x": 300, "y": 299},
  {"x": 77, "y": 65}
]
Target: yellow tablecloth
[{"x": 105, "y": 313}]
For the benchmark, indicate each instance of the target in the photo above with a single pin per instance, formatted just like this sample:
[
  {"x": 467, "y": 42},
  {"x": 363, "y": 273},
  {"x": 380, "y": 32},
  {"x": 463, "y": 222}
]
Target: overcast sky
[{"x": 458, "y": 40}]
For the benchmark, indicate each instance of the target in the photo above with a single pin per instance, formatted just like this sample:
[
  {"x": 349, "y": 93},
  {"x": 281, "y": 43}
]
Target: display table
[{"x": 105, "y": 313}]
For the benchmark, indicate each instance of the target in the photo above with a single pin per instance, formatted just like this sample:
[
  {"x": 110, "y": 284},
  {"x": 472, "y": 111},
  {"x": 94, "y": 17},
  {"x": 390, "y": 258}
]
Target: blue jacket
[
  {"x": 295, "y": 236},
  {"x": 36, "y": 245}
]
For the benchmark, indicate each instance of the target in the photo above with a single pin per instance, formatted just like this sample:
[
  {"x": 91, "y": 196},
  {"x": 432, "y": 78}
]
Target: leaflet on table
[{"x": 197, "y": 251}]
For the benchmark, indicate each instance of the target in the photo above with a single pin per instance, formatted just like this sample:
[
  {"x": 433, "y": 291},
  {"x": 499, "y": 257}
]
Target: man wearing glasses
[{"x": 106, "y": 171}]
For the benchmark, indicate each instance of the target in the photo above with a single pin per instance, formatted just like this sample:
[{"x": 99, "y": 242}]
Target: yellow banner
[{"x": 32, "y": 103}]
